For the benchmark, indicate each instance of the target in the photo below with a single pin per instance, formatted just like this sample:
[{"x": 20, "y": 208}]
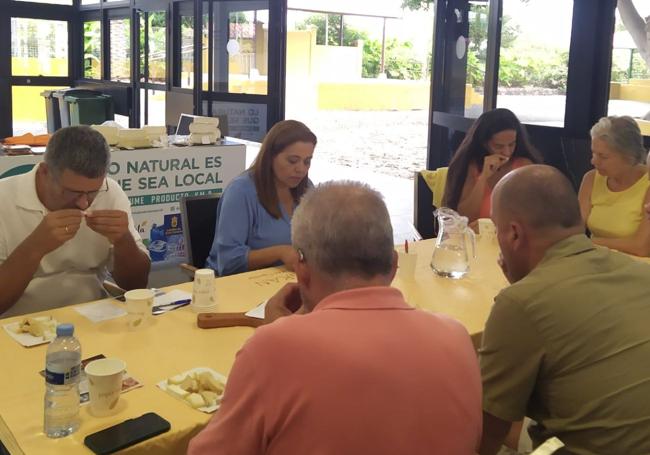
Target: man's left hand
[
  {"x": 112, "y": 224},
  {"x": 285, "y": 302}
]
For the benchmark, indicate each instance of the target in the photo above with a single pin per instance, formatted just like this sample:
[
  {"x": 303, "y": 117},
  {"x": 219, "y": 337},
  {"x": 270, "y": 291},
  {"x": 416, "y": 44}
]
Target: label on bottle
[{"x": 64, "y": 378}]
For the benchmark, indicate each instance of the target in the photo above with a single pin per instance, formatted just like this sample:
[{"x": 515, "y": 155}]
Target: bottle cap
[{"x": 64, "y": 330}]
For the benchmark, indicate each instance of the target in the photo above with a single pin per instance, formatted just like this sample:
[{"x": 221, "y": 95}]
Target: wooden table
[{"x": 174, "y": 344}]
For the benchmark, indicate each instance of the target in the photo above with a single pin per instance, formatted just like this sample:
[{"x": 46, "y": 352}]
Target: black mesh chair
[{"x": 199, "y": 215}]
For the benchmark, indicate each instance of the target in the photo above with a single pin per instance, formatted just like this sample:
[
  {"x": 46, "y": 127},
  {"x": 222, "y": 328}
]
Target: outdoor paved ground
[{"x": 393, "y": 143}]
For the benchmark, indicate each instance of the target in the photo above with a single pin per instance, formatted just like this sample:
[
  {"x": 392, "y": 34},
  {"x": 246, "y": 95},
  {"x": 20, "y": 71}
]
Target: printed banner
[{"x": 155, "y": 180}]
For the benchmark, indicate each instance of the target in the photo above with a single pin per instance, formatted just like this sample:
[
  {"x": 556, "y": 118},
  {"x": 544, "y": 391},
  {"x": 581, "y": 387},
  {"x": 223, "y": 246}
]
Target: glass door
[
  {"x": 498, "y": 53},
  {"x": 245, "y": 65},
  {"x": 151, "y": 66}
]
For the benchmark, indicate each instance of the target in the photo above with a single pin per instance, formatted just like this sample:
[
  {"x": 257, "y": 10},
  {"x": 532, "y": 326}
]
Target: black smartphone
[{"x": 126, "y": 434}]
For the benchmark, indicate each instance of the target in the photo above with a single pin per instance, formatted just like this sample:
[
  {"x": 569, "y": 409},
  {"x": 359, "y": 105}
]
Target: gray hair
[
  {"x": 79, "y": 149},
  {"x": 623, "y": 135},
  {"x": 343, "y": 228}
]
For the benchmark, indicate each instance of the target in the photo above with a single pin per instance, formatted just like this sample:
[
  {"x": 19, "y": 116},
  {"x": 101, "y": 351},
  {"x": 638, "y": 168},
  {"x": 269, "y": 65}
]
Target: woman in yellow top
[{"x": 612, "y": 196}]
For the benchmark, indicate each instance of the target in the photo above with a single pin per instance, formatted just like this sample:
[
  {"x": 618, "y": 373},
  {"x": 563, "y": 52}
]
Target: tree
[
  {"x": 350, "y": 35},
  {"x": 637, "y": 27},
  {"x": 415, "y": 5}
]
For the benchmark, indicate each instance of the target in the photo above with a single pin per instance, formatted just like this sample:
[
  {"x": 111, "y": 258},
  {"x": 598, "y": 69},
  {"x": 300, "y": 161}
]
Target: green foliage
[
  {"x": 415, "y": 5},
  {"x": 400, "y": 57},
  {"x": 92, "y": 48},
  {"x": 401, "y": 62},
  {"x": 350, "y": 35},
  {"x": 538, "y": 67}
]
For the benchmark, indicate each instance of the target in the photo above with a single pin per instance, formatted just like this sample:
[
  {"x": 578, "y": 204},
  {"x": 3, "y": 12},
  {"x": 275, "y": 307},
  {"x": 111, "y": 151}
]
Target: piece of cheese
[
  {"x": 177, "y": 391},
  {"x": 178, "y": 379},
  {"x": 195, "y": 400},
  {"x": 210, "y": 398}
]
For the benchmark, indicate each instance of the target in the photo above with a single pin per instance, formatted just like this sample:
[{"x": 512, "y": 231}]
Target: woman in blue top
[{"x": 254, "y": 214}]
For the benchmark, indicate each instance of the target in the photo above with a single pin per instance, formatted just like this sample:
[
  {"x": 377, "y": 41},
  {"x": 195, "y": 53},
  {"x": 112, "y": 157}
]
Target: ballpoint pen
[{"x": 159, "y": 309}]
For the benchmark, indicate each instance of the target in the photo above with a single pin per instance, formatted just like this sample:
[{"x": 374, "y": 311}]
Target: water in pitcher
[{"x": 450, "y": 261}]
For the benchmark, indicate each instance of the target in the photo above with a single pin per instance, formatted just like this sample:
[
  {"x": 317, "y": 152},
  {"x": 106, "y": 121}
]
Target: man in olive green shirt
[{"x": 568, "y": 343}]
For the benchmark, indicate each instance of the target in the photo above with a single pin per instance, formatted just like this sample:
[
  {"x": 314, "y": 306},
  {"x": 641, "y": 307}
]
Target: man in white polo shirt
[{"x": 64, "y": 226}]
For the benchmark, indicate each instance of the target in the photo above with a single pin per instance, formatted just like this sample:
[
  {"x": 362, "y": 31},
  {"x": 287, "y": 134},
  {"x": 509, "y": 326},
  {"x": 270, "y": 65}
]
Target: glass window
[
  {"x": 242, "y": 120},
  {"x": 629, "y": 92},
  {"x": 155, "y": 102},
  {"x": 28, "y": 109},
  {"x": 205, "y": 37},
  {"x": 50, "y": 2},
  {"x": 187, "y": 51},
  {"x": 240, "y": 46},
  {"x": 39, "y": 47},
  {"x": 476, "y": 48},
  {"x": 156, "y": 23},
  {"x": 89, "y": 2},
  {"x": 120, "y": 40},
  {"x": 533, "y": 62},
  {"x": 93, "y": 50}
]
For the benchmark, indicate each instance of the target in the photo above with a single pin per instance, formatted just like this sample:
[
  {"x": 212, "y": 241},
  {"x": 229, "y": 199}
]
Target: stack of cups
[{"x": 204, "y": 293}]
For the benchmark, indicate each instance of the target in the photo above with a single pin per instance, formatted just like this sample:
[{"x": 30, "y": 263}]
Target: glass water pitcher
[{"x": 450, "y": 255}]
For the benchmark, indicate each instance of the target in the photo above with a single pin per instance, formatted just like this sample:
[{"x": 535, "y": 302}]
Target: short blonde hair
[{"x": 623, "y": 135}]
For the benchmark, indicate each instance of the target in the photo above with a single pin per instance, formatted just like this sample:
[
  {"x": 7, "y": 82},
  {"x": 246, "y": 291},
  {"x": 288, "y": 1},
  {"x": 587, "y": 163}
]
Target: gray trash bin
[{"x": 52, "y": 111}]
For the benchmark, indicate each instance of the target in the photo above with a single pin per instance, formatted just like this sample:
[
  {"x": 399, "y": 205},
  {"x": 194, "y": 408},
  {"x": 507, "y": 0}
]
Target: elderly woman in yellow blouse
[{"x": 613, "y": 195}]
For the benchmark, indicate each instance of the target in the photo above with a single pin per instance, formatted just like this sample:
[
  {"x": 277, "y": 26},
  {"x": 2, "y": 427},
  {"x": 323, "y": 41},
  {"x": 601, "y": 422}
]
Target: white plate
[
  {"x": 218, "y": 376},
  {"x": 27, "y": 339}
]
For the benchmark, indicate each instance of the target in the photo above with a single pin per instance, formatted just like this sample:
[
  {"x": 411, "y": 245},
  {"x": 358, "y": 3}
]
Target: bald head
[
  {"x": 538, "y": 195},
  {"x": 343, "y": 228}
]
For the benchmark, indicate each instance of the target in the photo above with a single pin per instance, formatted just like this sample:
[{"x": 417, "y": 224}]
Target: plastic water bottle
[{"x": 62, "y": 370}]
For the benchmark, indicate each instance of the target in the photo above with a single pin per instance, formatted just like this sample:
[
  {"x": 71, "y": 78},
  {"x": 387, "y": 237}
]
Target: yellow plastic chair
[{"x": 436, "y": 181}]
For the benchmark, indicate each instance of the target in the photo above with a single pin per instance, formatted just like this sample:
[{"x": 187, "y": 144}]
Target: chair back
[
  {"x": 199, "y": 214},
  {"x": 429, "y": 190}
]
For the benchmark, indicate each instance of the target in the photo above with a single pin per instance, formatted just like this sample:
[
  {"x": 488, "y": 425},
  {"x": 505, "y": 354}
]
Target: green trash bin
[
  {"x": 64, "y": 107},
  {"x": 90, "y": 108}
]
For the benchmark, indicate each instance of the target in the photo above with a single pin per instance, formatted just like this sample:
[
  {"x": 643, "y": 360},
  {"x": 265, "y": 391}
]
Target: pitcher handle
[{"x": 470, "y": 233}]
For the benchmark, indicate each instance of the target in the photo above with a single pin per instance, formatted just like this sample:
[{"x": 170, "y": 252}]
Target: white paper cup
[
  {"x": 138, "y": 307},
  {"x": 104, "y": 385},
  {"x": 486, "y": 229},
  {"x": 204, "y": 292},
  {"x": 406, "y": 263}
]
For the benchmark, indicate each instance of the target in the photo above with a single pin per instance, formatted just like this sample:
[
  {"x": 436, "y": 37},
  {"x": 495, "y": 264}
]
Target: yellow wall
[
  {"x": 635, "y": 90},
  {"x": 28, "y": 104},
  {"x": 373, "y": 94},
  {"x": 337, "y": 62},
  {"x": 644, "y": 125},
  {"x": 299, "y": 53},
  {"x": 33, "y": 66}
]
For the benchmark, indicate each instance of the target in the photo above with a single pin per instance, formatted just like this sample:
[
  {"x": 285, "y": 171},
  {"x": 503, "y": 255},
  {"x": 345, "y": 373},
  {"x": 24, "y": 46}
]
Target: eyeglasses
[{"x": 74, "y": 195}]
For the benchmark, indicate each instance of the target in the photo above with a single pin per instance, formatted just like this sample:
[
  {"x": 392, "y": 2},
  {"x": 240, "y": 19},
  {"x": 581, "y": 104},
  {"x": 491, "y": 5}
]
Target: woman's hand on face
[
  {"x": 492, "y": 164},
  {"x": 289, "y": 256}
]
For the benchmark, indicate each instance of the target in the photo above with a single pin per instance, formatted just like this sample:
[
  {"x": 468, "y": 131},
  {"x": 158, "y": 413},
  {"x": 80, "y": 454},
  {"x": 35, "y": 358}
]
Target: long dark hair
[
  {"x": 282, "y": 135},
  {"x": 473, "y": 150}
]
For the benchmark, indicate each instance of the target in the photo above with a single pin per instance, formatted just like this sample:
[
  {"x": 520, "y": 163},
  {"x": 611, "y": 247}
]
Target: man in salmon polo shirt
[{"x": 360, "y": 371}]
